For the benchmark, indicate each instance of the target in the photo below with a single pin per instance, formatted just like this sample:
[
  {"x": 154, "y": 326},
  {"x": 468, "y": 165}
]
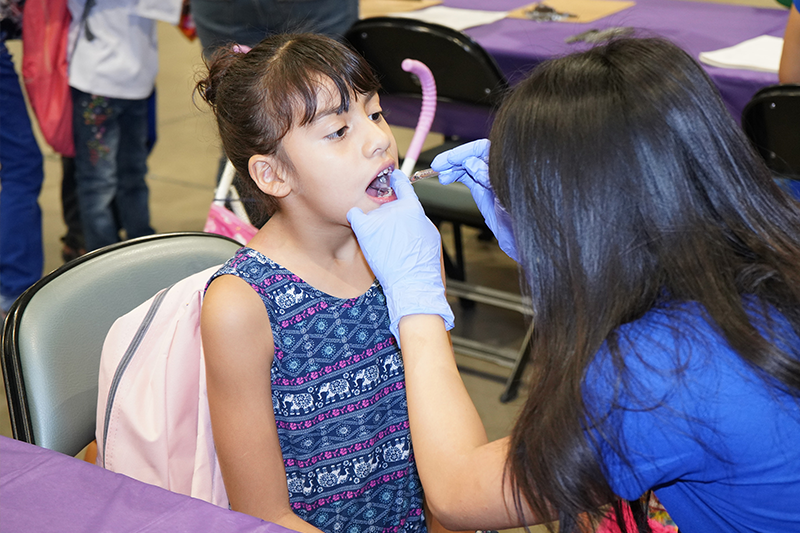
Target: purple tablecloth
[
  {"x": 519, "y": 45},
  {"x": 43, "y": 491}
]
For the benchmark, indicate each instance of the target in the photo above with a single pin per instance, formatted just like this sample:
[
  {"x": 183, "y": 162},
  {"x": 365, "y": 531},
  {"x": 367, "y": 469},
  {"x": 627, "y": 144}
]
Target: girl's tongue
[{"x": 380, "y": 187}]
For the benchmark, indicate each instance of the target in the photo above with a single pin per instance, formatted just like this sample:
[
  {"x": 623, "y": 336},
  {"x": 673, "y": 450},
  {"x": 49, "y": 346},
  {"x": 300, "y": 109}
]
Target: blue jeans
[
  {"x": 110, "y": 167},
  {"x": 249, "y": 21},
  {"x": 21, "y": 177}
]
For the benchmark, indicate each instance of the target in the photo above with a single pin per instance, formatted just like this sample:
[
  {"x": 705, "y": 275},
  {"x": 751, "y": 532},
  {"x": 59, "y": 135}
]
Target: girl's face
[{"x": 337, "y": 157}]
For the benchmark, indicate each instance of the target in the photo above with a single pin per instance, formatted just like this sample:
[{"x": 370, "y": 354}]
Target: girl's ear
[{"x": 266, "y": 173}]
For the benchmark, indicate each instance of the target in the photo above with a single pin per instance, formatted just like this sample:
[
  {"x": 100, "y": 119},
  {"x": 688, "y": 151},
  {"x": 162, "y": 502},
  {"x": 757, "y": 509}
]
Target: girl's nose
[{"x": 378, "y": 139}]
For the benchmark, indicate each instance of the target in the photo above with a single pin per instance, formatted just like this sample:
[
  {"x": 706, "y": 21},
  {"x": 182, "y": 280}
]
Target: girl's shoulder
[
  {"x": 251, "y": 266},
  {"x": 247, "y": 260}
]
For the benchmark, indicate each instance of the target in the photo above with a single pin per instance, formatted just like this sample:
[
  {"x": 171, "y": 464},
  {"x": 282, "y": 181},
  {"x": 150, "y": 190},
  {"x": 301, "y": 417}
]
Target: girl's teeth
[{"x": 381, "y": 184}]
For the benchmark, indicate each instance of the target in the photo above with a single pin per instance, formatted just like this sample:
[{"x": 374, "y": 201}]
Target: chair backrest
[
  {"x": 463, "y": 70},
  {"x": 54, "y": 333},
  {"x": 771, "y": 120}
]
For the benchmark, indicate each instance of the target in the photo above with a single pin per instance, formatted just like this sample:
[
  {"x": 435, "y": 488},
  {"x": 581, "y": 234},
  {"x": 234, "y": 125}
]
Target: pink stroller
[{"x": 236, "y": 224}]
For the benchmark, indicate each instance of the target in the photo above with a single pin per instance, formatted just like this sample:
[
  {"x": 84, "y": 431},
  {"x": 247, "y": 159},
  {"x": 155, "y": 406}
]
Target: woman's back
[{"x": 717, "y": 441}]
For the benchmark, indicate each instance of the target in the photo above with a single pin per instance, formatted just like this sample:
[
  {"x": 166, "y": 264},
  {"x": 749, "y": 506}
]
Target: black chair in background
[
  {"x": 467, "y": 78},
  {"x": 468, "y": 81},
  {"x": 771, "y": 120}
]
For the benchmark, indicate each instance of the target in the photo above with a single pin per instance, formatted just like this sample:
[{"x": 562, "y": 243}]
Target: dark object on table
[
  {"x": 600, "y": 36},
  {"x": 545, "y": 13}
]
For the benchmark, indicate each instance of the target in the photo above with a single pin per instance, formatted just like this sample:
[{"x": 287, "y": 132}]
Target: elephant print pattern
[{"x": 339, "y": 401}]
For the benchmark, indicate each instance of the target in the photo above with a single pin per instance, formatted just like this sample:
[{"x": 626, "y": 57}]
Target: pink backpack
[{"x": 152, "y": 408}]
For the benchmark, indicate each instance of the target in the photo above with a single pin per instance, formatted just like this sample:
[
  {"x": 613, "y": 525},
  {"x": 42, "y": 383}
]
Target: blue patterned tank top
[{"x": 338, "y": 393}]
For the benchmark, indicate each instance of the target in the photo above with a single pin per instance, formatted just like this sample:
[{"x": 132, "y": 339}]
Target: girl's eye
[
  {"x": 377, "y": 116},
  {"x": 338, "y": 134}
]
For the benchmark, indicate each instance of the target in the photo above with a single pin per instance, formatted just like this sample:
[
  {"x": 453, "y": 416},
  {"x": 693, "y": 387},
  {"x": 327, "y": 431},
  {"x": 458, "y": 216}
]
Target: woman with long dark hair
[{"x": 663, "y": 266}]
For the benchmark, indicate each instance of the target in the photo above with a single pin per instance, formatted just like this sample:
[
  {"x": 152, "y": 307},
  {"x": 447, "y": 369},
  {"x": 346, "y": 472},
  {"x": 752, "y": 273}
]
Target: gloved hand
[
  {"x": 469, "y": 164},
  {"x": 403, "y": 249}
]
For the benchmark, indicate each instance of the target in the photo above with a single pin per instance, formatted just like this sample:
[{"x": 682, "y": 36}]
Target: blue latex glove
[
  {"x": 403, "y": 248},
  {"x": 469, "y": 164}
]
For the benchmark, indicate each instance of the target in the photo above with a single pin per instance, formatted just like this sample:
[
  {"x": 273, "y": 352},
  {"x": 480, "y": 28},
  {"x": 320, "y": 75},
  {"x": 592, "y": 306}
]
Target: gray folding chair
[{"x": 54, "y": 332}]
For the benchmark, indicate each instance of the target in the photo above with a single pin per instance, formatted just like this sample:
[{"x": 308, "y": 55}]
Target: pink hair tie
[{"x": 241, "y": 48}]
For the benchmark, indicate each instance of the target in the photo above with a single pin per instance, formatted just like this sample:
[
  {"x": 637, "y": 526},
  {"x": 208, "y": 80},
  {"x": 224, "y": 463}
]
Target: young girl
[
  {"x": 662, "y": 264},
  {"x": 305, "y": 379}
]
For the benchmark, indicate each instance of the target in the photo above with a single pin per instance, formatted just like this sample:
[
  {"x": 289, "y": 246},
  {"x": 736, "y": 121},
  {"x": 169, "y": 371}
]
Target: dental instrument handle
[
  {"x": 426, "y": 113},
  {"x": 423, "y": 175}
]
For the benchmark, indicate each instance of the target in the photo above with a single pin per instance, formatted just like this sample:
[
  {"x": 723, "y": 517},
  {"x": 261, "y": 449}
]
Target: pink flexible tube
[{"x": 426, "y": 114}]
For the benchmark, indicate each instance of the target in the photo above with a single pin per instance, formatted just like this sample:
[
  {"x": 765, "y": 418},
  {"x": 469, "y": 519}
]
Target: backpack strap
[{"x": 126, "y": 359}]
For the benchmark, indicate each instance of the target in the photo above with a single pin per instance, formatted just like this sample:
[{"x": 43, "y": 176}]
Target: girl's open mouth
[{"x": 379, "y": 188}]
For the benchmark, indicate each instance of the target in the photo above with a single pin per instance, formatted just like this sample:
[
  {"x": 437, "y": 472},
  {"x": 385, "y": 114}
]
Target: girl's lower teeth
[{"x": 382, "y": 186}]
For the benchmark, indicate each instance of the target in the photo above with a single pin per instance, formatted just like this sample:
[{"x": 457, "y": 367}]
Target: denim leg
[
  {"x": 223, "y": 21},
  {"x": 132, "y": 192},
  {"x": 332, "y": 18},
  {"x": 248, "y": 21},
  {"x": 71, "y": 213},
  {"x": 110, "y": 167},
  {"x": 21, "y": 177},
  {"x": 96, "y": 131}
]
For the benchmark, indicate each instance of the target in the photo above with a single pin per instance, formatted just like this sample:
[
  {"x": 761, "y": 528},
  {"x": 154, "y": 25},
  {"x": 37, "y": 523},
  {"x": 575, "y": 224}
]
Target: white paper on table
[
  {"x": 455, "y": 18},
  {"x": 762, "y": 53}
]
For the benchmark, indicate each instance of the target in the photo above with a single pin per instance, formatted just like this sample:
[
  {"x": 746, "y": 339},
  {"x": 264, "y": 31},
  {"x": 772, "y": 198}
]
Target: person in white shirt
[{"x": 113, "y": 64}]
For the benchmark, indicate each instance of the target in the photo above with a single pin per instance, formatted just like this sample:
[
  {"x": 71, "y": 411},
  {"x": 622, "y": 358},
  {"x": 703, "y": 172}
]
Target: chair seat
[{"x": 54, "y": 332}]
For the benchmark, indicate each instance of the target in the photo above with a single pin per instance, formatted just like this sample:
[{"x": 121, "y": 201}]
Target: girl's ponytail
[{"x": 216, "y": 68}]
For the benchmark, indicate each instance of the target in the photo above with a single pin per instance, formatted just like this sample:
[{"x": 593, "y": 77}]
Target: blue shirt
[{"x": 720, "y": 446}]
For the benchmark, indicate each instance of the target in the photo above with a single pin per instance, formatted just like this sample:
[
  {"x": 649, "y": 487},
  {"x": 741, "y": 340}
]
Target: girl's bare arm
[{"x": 238, "y": 350}]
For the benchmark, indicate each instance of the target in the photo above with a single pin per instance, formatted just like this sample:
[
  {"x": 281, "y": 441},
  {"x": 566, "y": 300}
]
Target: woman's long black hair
[{"x": 629, "y": 184}]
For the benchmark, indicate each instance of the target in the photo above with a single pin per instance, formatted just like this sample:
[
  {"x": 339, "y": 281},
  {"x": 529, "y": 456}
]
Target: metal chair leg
[{"x": 514, "y": 380}]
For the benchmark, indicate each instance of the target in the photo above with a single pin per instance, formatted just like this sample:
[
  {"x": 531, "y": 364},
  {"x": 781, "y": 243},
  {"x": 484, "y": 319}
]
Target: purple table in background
[
  {"x": 518, "y": 45},
  {"x": 42, "y": 491}
]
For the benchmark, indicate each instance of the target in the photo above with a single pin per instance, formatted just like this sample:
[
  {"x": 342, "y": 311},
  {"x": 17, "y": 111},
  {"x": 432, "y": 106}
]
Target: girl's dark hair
[
  {"x": 260, "y": 95},
  {"x": 630, "y": 187}
]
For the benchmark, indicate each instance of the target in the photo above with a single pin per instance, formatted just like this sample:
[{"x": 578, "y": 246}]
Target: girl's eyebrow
[
  {"x": 335, "y": 109},
  {"x": 332, "y": 110}
]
